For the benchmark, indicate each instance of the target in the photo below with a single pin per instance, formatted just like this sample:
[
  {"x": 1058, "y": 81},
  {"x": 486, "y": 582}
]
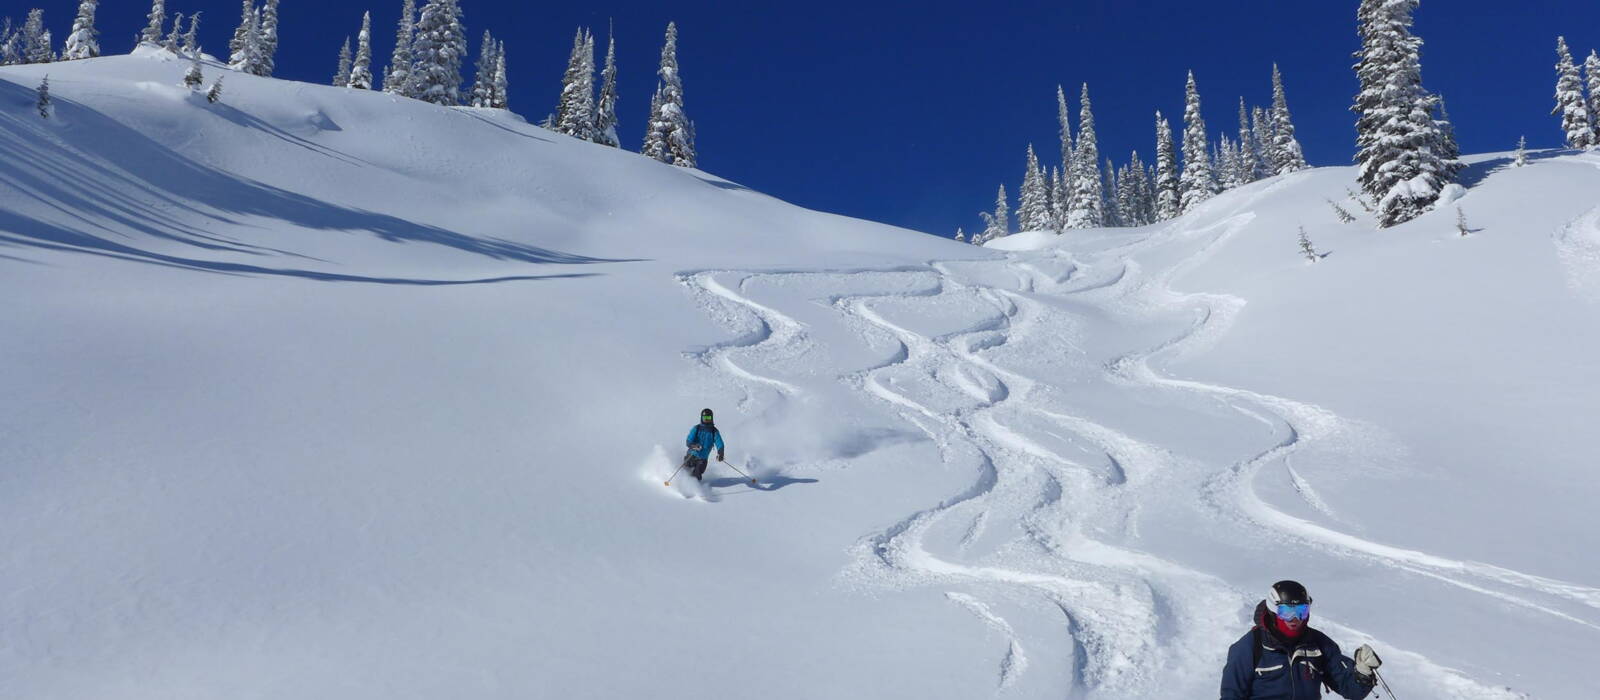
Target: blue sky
[{"x": 912, "y": 113}]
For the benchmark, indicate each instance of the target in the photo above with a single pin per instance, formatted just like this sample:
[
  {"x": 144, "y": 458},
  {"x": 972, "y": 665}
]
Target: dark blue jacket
[
  {"x": 1288, "y": 670},
  {"x": 708, "y": 436}
]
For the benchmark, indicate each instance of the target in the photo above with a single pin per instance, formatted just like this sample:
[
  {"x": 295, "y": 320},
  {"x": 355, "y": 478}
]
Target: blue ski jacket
[
  {"x": 1263, "y": 666},
  {"x": 708, "y": 436}
]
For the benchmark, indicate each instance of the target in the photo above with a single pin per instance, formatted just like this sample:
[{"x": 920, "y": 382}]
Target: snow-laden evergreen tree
[
  {"x": 194, "y": 77},
  {"x": 341, "y": 76},
  {"x": 1067, "y": 149},
  {"x": 83, "y": 42},
  {"x": 961, "y": 236},
  {"x": 248, "y": 58},
  {"x": 502, "y": 94},
  {"x": 190, "y": 46},
  {"x": 436, "y": 54},
  {"x": 1461, "y": 223},
  {"x": 1033, "y": 207},
  {"x": 1287, "y": 156},
  {"x": 269, "y": 39},
  {"x": 1111, "y": 216},
  {"x": 44, "y": 98},
  {"x": 215, "y": 93},
  {"x": 1522, "y": 152},
  {"x": 397, "y": 77},
  {"x": 670, "y": 137},
  {"x": 1197, "y": 183},
  {"x": 361, "y": 68},
  {"x": 1399, "y": 142},
  {"x": 1127, "y": 215},
  {"x": 1225, "y": 163},
  {"x": 575, "y": 108},
  {"x": 1087, "y": 195},
  {"x": 1592, "y": 68},
  {"x": 1061, "y": 196},
  {"x": 1261, "y": 135},
  {"x": 998, "y": 224},
  {"x": 1249, "y": 163},
  {"x": 241, "y": 35},
  {"x": 174, "y": 40},
  {"x": 1345, "y": 217},
  {"x": 483, "y": 79},
  {"x": 36, "y": 44},
  {"x": 1169, "y": 203},
  {"x": 158, "y": 22},
  {"x": 605, "y": 111},
  {"x": 10, "y": 51},
  {"x": 1577, "y": 122}
]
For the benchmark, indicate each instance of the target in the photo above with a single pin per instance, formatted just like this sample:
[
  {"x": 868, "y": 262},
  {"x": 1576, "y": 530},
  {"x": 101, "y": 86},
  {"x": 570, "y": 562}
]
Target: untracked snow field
[{"x": 317, "y": 393}]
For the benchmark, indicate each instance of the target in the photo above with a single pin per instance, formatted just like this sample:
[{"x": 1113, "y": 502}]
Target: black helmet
[
  {"x": 705, "y": 415},
  {"x": 1288, "y": 593}
]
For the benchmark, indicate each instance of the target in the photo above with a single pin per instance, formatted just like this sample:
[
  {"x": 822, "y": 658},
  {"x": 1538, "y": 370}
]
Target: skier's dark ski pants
[{"x": 696, "y": 466}]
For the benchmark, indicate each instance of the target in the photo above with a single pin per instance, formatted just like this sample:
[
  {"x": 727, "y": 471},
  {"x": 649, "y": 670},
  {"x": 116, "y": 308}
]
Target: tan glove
[{"x": 1367, "y": 661}]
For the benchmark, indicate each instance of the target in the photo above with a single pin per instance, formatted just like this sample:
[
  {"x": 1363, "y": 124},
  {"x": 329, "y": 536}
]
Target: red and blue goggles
[{"x": 1287, "y": 611}]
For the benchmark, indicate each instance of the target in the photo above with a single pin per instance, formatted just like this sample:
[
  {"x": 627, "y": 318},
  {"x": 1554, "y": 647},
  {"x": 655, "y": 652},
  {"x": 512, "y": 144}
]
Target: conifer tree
[
  {"x": 1067, "y": 158},
  {"x": 341, "y": 76},
  {"x": 157, "y": 23},
  {"x": 1306, "y": 250},
  {"x": 575, "y": 109},
  {"x": 1399, "y": 142},
  {"x": 998, "y": 224},
  {"x": 1522, "y": 152},
  {"x": 1033, "y": 212},
  {"x": 83, "y": 42},
  {"x": 502, "y": 95},
  {"x": 1197, "y": 183},
  {"x": 483, "y": 81},
  {"x": 605, "y": 114},
  {"x": 248, "y": 58},
  {"x": 10, "y": 42},
  {"x": 174, "y": 40},
  {"x": 269, "y": 39},
  {"x": 1287, "y": 156},
  {"x": 1249, "y": 163},
  {"x": 215, "y": 93},
  {"x": 436, "y": 54},
  {"x": 1088, "y": 195},
  {"x": 1592, "y": 68},
  {"x": 1111, "y": 215},
  {"x": 241, "y": 35},
  {"x": 1169, "y": 203},
  {"x": 1261, "y": 136},
  {"x": 44, "y": 98},
  {"x": 961, "y": 236},
  {"x": 397, "y": 77},
  {"x": 361, "y": 68},
  {"x": 670, "y": 137},
  {"x": 194, "y": 77},
  {"x": 1576, "y": 120},
  {"x": 36, "y": 44},
  {"x": 191, "y": 39}
]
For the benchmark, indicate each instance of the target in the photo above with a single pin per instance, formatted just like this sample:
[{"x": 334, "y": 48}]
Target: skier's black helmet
[
  {"x": 705, "y": 415},
  {"x": 1288, "y": 593}
]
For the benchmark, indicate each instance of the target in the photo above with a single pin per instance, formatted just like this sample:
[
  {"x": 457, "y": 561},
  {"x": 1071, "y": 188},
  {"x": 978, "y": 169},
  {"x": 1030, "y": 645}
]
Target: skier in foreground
[
  {"x": 1283, "y": 658},
  {"x": 700, "y": 441}
]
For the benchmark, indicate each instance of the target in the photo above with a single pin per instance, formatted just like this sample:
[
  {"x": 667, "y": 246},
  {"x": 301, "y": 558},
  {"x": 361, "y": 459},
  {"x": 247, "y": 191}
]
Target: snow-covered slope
[{"x": 319, "y": 393}]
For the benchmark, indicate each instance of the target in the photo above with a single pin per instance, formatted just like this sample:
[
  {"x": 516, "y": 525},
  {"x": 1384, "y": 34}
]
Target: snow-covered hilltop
[{"x": 313, "y": 392}]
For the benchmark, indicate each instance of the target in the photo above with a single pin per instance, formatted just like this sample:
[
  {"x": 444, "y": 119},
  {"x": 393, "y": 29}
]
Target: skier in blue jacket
[
  {"x": 1283, "y": 658},
  {"x": 702, "y": 438}
]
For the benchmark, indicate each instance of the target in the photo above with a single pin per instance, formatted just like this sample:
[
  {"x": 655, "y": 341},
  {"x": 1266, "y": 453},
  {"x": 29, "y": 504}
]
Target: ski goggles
[
  {"x": 1287, "y": 611},
  {"x": 705, "y": 419}
]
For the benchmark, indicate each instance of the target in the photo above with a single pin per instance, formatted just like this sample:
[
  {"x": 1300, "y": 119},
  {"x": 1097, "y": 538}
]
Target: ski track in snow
[{"x": 1061, "y": 519}]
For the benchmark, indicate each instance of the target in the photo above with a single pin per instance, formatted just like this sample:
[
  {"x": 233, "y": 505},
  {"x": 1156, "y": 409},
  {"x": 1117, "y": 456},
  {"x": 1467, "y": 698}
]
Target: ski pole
[
  {"x": 668, "y": 482},
  {"x": 741, "y": 473},
  {"x": 1384, "y": 682}
]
